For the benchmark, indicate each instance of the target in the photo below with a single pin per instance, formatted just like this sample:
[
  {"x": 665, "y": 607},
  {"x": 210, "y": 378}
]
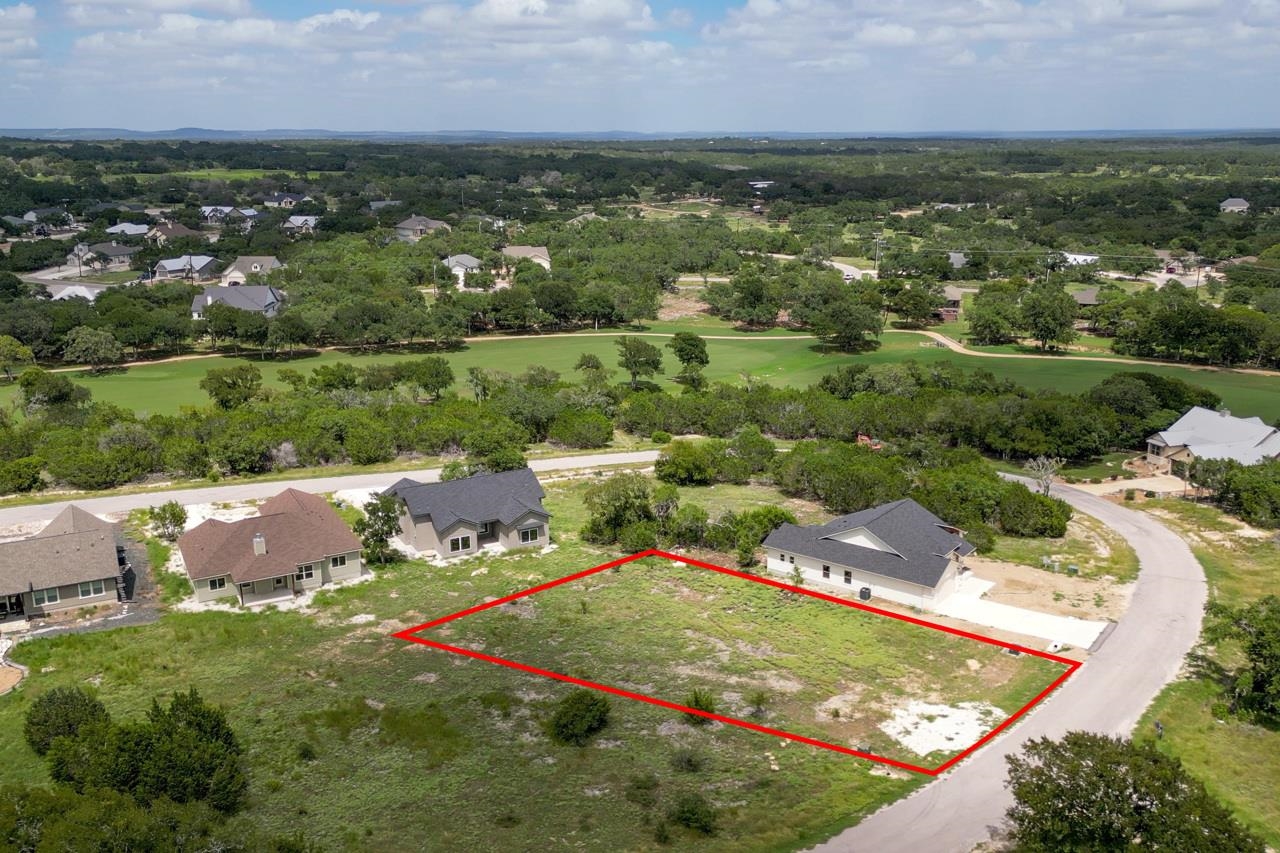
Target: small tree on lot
[
  {"x": 13, "y": 353},
  {"x": 232, "y": 387},
  {"x": 578, "y": 716},
  {"x": 169, "y": 519},
  {"x": 700, "y": 699},
  {"x": 1093, "y": 792},
  {"x": 692, "y": 811},
  {"x": 638, "y": 357},
  {"x": 94, "y": 347},
  {"x": 61, "y": 712},
  {"x": 1043, "y": 469},
  {"x": 1256, "y": 627},
  {"x": 381, "y": 521}
]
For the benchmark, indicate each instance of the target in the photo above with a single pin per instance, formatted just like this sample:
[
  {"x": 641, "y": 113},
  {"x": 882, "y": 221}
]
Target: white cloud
[{"x": 18, "y": 31}]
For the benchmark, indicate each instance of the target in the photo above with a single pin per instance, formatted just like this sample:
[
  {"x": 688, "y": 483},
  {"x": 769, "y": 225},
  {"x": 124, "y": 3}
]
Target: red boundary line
[{"x": 409, "y": 635}]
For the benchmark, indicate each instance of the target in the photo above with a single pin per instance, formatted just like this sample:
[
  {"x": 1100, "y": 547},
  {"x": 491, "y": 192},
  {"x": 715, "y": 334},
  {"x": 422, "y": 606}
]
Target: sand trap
[{"x": 923, "y": 727}]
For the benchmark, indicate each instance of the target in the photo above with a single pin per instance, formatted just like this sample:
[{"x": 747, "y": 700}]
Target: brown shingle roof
[
  {"x": 298, "y": 527},
  {"x": 75, "y": 547}
]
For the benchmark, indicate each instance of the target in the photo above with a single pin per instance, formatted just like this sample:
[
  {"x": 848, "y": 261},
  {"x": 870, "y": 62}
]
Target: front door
[
  {"x": 10, "y": 605},
  {"x": 280, "y": 583}
]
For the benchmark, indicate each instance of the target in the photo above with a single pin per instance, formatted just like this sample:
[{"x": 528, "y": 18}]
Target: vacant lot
[
  {"x": 399, "y": 729},
  {"x": 1238, "y": 761},
  {"x": 779, "y": 360}
]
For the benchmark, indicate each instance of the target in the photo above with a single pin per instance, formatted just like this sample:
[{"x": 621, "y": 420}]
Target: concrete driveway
[
  {"x": 967, "y": 603},
  {"x": 1108, "y": 694}
]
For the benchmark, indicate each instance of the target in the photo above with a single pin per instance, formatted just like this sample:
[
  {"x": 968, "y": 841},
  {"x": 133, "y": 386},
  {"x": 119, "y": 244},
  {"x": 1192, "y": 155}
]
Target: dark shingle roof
[
  {"x": 73, "y": 548},
  {"x": 504, "y": 497},
  {"x": 113, "y": 250},
  {"x": 259, "y": 298},
  {"x": 923, "y": 542}
]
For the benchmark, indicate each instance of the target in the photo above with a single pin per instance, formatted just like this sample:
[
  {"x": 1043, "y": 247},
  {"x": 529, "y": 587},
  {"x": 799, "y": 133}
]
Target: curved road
[
  {"x": 959, "y": 809},
  {"x": 1107, "y": 695}
]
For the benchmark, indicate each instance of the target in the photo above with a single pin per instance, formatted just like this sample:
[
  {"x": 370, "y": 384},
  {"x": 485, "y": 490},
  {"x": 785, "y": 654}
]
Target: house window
[
  {"x": 826, "y": 571},
  {"x": 460, "y": 543},
  {"x": 484, "y": 529},
  {"x": 530, "y": 534},
  {"x": 848, "y": 576},
  {"x": 305, "y": 573},
  {"x": 45, "y": 596},
  {"x": 279, "y": 583},
  {"x": 782, "y": 556},
  {"x": 338, "y": 561},
  {"x": 89, "y": 589},
  {"x": 246, "y": 587},
  {"x": 218, "y": 583},
  {"x": 792, "y": 558}
]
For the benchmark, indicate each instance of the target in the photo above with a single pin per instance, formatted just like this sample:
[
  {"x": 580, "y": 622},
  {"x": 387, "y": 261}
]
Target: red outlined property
[{"x": 412, "y": 635}]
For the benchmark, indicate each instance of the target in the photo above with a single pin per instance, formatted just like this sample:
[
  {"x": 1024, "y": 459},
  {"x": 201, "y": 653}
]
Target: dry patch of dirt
[
  {"x": 1050, "y": 592},
  {"x": 9, "y": 678},
  {"x": 923, "y": 727},
  {"x": 675, "y": 306}
]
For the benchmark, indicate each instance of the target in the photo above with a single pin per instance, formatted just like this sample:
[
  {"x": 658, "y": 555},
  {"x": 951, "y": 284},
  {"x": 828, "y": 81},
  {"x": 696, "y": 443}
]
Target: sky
[{"x": 852, "y": 66}]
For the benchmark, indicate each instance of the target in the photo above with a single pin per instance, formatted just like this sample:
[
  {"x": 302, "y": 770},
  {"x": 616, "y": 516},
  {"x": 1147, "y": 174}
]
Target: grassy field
[
  {"x": 1089, "y": 545},
  {"x": 164, "y": 388},
  {"x": 229, "y": 174},
  {"x": 1238, "y": 761},
  {"x": 399, "y": 729}
]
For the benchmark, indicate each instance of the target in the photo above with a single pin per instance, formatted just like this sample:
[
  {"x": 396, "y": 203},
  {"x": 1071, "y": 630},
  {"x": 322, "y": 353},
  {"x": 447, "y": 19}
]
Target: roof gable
[
  {"x": 504, "y": 497},
  {"x": 75, "y": 547}
]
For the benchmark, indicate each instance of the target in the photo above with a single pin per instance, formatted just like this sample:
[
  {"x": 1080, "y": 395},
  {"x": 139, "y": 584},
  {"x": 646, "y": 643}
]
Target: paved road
[
  {"x": 254, "y": 491},
  {"x": 1108, "y": 695}
]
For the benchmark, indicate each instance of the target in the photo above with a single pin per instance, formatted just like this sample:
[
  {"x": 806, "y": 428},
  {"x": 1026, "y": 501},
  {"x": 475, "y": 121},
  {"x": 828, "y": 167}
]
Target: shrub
[
  {"x": 306, "y": 751},
  {"x": 700, "y": 699},
  {"x": 1130, "y": 494},
  {"x": 694, "y": 812},
  {"x": 578, "y": 716},
  {"x": 1023, "y": 512},
  {"x": 687, "y": 760},
  {"x": 61, "y": 712},
  {"x": 581, "y": 428},
  {"x": 169, "y": 519},
  {"x": 1148, "y": 494},
  {"x": 643, "y": 791},
  {"x": 660, "y": 437}
]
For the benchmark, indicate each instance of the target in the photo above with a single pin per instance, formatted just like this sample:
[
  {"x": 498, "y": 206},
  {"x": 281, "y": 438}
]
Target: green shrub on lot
[
  {"x": 578, "y": 716},
  {"x": 692, "y": 811},
  {"x": 660, "y": 437},
  {"x": 61, "y": 712},
  {"x": 700, "y": 699},
  {"x": 643, "y": 791},
  {"x": 688, "y": 760}
]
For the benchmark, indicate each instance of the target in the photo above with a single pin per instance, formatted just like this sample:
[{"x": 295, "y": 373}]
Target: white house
[
  {"x": 538, "y": 254},
  {"x": 301, "y": 224},
  {"x": 461, "y": 266},
  {"x": 1233, "y": 205},
  {"x": 246, "y": 265},
  {"x": 128, "y": 229},
  {"x": 1205, "y": 434},
  {"x": 188, "y": 266},
  {"x": 898, "y": 551}
]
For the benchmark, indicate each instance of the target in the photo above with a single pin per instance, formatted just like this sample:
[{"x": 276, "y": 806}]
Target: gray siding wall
[{"x": 69, "y": 599}]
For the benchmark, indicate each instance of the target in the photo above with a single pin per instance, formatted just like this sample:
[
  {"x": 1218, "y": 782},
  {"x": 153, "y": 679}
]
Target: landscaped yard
[
  {"x": 400, "y": 729},
  {"x": 164, "y": 388},
  {"x": 1239, "y": 761}
]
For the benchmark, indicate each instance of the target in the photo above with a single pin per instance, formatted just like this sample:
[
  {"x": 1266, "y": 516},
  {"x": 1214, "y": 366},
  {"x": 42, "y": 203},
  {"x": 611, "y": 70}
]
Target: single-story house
[
  {"x": 89, "y": 292},
  {"x": 538, "y": 254},
  {"x": 1205, "y": 434},
  {"x": 112, "y": 256},
  {"x": 296, "y": 543},
  {"x": 459, "y": 517},
  {"x": 58, "y": 215},
  {"x": 285, "y": 200},
  {"x": 375, "y": 206},
  {"x": 193, "y": 267},
  {"x": 259, "y": 298},
  {"x": 215, "y": 213},
  {"x": 166, "y": 231},
  {"x": 1233, "y": 205},
  {"x": 416, "y": 227},
  {"x": 759, "y": 185},
  {"x": 1076, "y": 259},
  {"x": 589, "y": 216},
  {"x": 954, "y": 299},
  {"x": 300, "y": 224},
  {"x": 17, "y": 223},
  {"x": 897, "y": 551},
  {"x": 246, "y": 265},
  {"x": 75, "y": 561},
  {"x": 128, "y": 229},
  {"x": 1086, "y": 298},
  {"x": 461, "y": 266}
]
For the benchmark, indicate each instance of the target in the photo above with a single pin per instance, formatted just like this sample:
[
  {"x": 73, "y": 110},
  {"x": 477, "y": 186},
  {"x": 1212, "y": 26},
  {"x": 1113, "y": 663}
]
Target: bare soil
[{"x": 1050, "y": 592}]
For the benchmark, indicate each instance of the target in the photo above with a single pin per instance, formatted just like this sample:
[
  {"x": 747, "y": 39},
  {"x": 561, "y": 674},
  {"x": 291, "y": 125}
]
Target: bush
[
  {"x": 694, "y": 812},
  {"x": 581, "y": 429},
  {"x": 640, "y": 536},
  {"x": 307, "y": 751},
  {"x": 700, "y": 699},
  {"x": 578, "y": 716},
  {"x": 61, "y": 712},
  {"x": 687, "y": 463},
  {"x": 1023, "y": 512},
  {"x": 1148, "y": 494},
  {"x": 687, "y": 760},
  {"x": 21, "y": 475},
  {"x": 660, "y": 437},
  {"x": 643, "y": 791},
  {"x": 1130, "y": 494}
]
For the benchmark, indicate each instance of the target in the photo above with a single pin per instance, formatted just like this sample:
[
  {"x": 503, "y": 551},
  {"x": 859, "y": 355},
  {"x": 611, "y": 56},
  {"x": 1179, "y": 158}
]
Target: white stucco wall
[{"x": 889, "y": 589}]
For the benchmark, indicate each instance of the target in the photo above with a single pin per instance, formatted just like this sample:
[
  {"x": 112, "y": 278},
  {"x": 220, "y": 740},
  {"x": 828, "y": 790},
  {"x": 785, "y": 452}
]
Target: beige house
[
  {"x": 73, "y": 562},
  {"x": 416, "y": 227},
  {"x": 246, "y": 265},
  {"x": 538, "y": 254},
  {"x": 898, "y": 551},
  {"x": 1207, "y": 434},
  {"x": 460, "y": 517},
  {"x": 296, "y": 543}
]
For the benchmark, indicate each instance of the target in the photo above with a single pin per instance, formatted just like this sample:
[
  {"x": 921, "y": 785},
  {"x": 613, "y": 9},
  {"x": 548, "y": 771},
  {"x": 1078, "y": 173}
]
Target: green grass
[
  {"x": 1080, "y": 547},
  {"x": 228, "y": 174},
  {"x": 1239, "y": 762},
  {"x": 113, "y": 277},
  {"x": 165, "y": 388},
  {"x": 404, "y": 730}
]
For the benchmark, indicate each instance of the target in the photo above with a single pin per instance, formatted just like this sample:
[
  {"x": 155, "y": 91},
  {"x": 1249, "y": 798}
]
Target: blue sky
[{"x": 664, "y": 65}]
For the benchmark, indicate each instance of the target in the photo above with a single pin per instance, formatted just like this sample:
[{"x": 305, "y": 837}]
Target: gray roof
[
  {"x": 924, "y": 544},
  {"x": 467, "y": 262},
  {"x": 246, "y": 264},
  {"x": 1234, "y": 202},
  {"x": 957, "y": 259},
  {"x": 424, "y": 222},
  {"x": 259, "y": 298},
  {"x": 113, "y": 250},
  {"x": 1218, "y": 435},
  {"x": 1086, "y": 297},
  {"x": 378, "y": 205},
  {"x": 16, "y": 221},
  {"x": 503, "y": 497},
  {"x": 196, "y": 263},
  {"x": 73, "y": 548},
  {"x": 129, "y": 228}
]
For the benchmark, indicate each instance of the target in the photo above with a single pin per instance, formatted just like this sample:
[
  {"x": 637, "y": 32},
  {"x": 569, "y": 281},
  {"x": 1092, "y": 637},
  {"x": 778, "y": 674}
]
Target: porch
[{"x": 275, "y": 590}]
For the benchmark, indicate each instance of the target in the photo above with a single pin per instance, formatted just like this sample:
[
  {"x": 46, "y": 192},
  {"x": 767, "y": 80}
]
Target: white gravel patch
[{"x": 923, "y": 727}]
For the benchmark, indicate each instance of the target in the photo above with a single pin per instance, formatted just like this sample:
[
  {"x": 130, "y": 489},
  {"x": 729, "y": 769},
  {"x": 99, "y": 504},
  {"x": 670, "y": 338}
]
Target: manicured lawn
[
  {"x": 1238, "y": 761},
  {"x": 400, "y": 729},
  {"x": 164, "y": 388}
]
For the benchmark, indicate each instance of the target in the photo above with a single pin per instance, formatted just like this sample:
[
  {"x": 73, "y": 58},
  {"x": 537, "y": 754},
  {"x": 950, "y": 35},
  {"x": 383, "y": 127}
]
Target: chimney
[{"x": 259, "y": 545}]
